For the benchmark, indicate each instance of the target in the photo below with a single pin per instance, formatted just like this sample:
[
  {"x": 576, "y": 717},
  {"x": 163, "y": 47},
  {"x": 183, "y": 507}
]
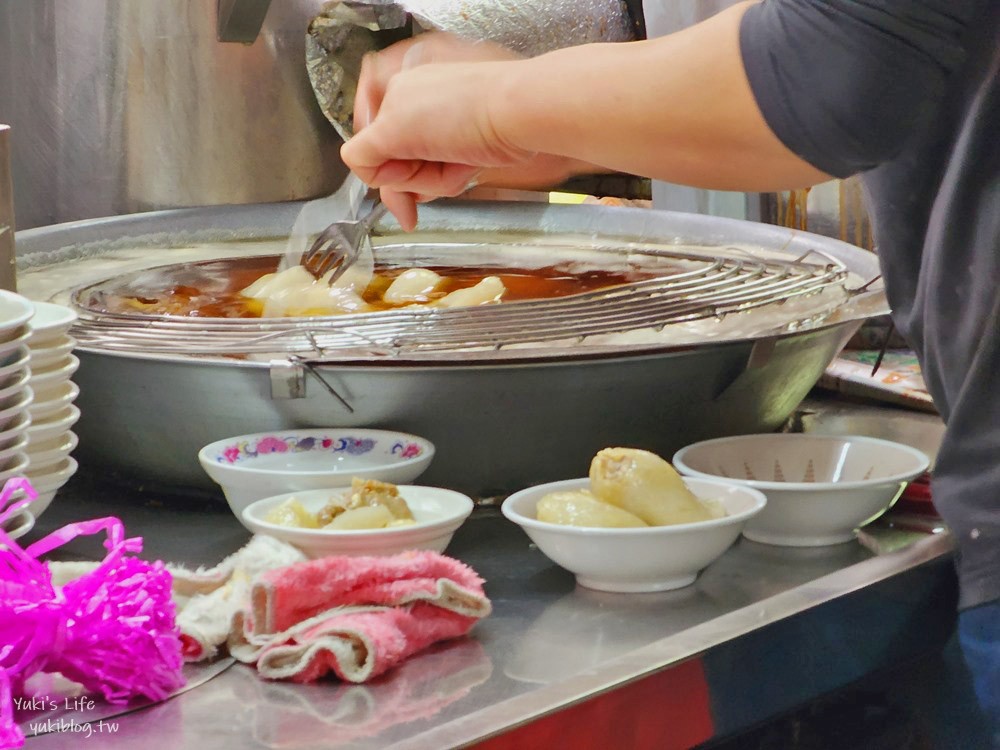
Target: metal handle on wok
[{"x": 241, "y": 20}]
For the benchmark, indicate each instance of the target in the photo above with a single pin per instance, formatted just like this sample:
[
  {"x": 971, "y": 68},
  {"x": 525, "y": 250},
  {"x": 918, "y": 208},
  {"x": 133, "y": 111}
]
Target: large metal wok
[{"x": 501, "y": 420}]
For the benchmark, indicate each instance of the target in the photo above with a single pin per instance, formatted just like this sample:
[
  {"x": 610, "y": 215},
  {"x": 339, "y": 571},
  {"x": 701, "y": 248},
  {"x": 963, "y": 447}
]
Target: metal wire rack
[{"x": 707, "y": 287}]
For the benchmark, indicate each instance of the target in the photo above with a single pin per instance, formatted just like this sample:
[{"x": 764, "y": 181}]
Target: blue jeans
[{"x": 979, "y": 636}]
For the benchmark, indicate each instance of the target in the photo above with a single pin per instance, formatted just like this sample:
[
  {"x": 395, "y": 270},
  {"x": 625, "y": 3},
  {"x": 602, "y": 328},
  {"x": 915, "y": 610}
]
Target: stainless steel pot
[{"x": 498, "y": 425}]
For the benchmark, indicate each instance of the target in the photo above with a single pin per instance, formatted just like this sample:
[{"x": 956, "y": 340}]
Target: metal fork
[{"x": 337, "y": 247}]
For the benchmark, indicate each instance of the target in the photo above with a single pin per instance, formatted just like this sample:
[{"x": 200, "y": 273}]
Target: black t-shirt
[{"x": 907, "y": 92}]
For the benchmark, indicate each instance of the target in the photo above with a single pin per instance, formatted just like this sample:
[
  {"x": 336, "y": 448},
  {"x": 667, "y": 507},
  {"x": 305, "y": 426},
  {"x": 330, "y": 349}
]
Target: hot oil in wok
[{"x": 212, "y": 289}]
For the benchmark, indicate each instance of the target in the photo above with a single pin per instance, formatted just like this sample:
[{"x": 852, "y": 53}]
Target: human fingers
[
  {"x": 404, "y": 206},
  {"x": 401, "y": 205},
  {"x": 431, "y": 178},
  {"x": 368, "y": 95},
  {"x": 378, "y": 68}
]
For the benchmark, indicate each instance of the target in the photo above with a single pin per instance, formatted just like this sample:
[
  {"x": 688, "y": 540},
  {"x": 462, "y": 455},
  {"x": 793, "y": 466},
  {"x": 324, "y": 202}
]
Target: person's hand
[
  {"x": 423, "y": 126},
  {"x": 378, "y": 68}
]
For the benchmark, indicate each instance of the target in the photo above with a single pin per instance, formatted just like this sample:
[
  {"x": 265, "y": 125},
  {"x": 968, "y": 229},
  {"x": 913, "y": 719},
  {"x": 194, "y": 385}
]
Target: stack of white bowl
[
  {"x": 15, "y": 395},
  {"x": 53, "y": 414}
]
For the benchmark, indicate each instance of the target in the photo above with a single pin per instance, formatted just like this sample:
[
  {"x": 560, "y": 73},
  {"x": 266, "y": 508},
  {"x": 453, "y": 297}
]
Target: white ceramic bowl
[
  {"x": 21, "y": 522},
  {"x": 51, "y": 376},
  {"x": 11, "y": 415},
  {"x": 45, "y": 361},
  {"x": 18, "y": 467},
  {"x": 15, "y": 312},
  {"x": 14, "y": 341},
  {"x": 41, "y": 503},
  {"x": 13, "y": 363},
  {"x": 52, "y": 400},
  {"x": 15, "y": 380},
  {"x": 438, "y": 514},
  {"x": 54, "y": 424},
  {"x": 252, "y": 467},
  {"x": 16, "y": 427},
  {"x": 657, "y": 558},
  {"x": 47, "y": 483},
  {"x": 16, "y": 386},
  {"x": 819, "y": 488},
  {"x": 55, "y": 347},
  {"x": 53, "y": 350},
  {"x": 18, "y": 446},
  {"x": 50, "y": 321},
  {"x": 17, "y": 397},
  {"x": 52, "y": 476},
  {"x": 51, "y": 451}
]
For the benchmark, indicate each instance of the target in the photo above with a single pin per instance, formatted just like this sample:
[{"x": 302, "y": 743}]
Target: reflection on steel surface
[
  {"x": 730, "y": 621},
  {"x": 340, "y": 714},
  {"x": 64, "y": 704},
  {"x": 119, "y": 107}
]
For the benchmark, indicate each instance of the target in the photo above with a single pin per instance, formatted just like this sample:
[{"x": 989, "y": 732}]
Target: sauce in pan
[{"x": 213, "y": 289}]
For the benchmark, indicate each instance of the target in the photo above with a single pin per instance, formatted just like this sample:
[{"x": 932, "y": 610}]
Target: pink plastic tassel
[{"x": 111, "y": 630}]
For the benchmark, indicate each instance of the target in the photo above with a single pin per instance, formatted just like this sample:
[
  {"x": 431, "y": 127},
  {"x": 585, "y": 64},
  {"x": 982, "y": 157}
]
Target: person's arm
[
  {"x": 378, "y": 69},
  {"x": 682, "y": 108},
  {"x": 677, "y": 108},
  {"x": 846, "y": 83}
]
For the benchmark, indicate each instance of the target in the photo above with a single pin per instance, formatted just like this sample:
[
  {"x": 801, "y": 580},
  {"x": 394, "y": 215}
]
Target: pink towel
[
  {"x": 356, "y": 616},
  {"x": 206, "y": 599}
]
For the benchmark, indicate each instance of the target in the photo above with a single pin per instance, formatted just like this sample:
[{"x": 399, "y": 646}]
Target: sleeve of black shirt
[{"x": 843, "y": 83}]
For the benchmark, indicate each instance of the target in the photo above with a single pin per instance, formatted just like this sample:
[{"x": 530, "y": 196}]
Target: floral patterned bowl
[{"x": 252, "y": 467}]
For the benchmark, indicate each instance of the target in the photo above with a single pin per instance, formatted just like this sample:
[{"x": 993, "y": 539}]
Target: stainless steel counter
[{"x": 764, "y": 629}]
